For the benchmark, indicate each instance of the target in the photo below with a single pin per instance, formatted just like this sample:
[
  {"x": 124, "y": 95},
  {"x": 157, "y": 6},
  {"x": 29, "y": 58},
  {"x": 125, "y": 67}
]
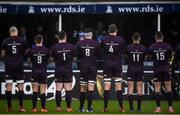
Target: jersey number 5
[{"x": 14, "y": 51}]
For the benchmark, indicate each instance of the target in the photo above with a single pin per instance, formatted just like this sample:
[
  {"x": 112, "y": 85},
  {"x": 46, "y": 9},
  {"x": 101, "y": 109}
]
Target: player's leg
[
  {"x": 91, "y": 84},
  {"x": 9, "y": 95},
  {"x": 117, "y": 74},
  {"x": 157, "y": 86},
  {"x": 43, "y": 97},
  {"x": 68, "y": 87},
  {"x": 139, "y": 79},
  {"x": 119, "y": 93},
  {"x": 130, "y": 94},
  {"x": 9, "y": 82},
  {"x": 83, "y": 89},
  {"x": 130, "y": 79},
  {"x": 35, "y": 95},
  {"x": 139, "y": 95},
  {"x": 20, "y": 85},
  {"x": 169, "y": 95},
  {"x": 42, "y": 82},
  {"x": 59, "y": 87},
  {"x": 107, "y": 87}
]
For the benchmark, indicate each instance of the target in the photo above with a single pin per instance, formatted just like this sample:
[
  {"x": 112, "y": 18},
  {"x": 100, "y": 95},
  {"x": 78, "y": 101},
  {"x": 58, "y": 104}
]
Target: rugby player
[
  {"x": 161, "y": 53},
  {"x": 63, "y": 53},
  {"x": 112, "y": 48},
  {"x": 136, "y": 54},
  {"x": 13, "y": 49},
  {"x": 87, "y": 52},
  {"x": 39, "y": 58}
]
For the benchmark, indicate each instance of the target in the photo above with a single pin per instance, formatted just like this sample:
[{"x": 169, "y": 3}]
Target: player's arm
[{"x": 3, "y": 52}]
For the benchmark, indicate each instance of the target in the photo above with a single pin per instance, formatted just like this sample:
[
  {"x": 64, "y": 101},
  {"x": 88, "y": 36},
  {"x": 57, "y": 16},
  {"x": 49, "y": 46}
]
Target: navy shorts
[
  {"x": 14, "y": 74},
  {"x": 112, "y": 71},
  {"x": 162, "y": 73},
  {"x": 135, "y": 73},
  {"x": 39, "y": 76},
  {"x": 63, "y": 76},
  {"x": 88, "y": 74}
]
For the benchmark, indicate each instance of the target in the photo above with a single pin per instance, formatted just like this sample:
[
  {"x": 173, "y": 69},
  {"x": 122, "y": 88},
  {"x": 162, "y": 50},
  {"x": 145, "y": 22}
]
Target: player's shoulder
[
  {"x": 178, "y": 47},
  {"x": 54, "y": 46},
  {"x": 152, "y": 45},
  {"x": 94, "y": 42},
  {"x": 69, "y": 44},
  {"x": 45, "y": 48},
  {"x": 167, "y": 45},
  {"x": 143, "y": 46},
  {"x": 7, "y": 39},
  {"x": 105, "y": 38}
]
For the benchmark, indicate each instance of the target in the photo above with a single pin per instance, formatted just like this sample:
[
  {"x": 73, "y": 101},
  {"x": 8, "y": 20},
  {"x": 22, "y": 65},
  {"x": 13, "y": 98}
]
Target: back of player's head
[
  {"x": 112, "y": 28},
  {"x": 159, "y": 35},
  {"x": 88, "y": 33},
  {"x": 136, "y": 36},
  {"x": 62, "y": 35},
  {"x": 38, "y": 38},
  {"x": 13, "y": 29}
]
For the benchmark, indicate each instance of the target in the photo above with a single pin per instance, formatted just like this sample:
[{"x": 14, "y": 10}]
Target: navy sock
[
  {"x": 169, "y": 98},
  {"x": 139, "y": 101},
  {"x": 21, "y": 97},
  {"x": 82, "y": 99},
  {"x": 68, "y": 98},
  {"x": 130, "y": 98},
  {"x": 106, "y": 98},
  {"x": 34, "y": 99},
  {"x": 90, "y": 98},
  {"x": 120, "y": 97},
  {"x": 58, "y": 98},
  {"x": 43, "y": 101},
  {"x": 157, "y": 98}
]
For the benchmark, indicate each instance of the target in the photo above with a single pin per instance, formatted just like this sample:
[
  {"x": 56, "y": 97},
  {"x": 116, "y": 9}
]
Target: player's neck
[
  {"x": 39, "y": 45},
  {"x": 62, "y": 41},
  {"x": 88, "y": 38},
  {"x": 14, "y": 35},
  {"x": 159, "y": 41},
  {"x": 136, "y": 42},
  {"x": 113, "y": 34}
]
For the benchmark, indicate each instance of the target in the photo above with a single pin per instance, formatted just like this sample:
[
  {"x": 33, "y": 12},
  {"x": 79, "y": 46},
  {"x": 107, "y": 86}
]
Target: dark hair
[
  {"x": 136, "y": 36},
  {"x": 112, "y": 28},
  {"x": 62, "y": 35},
  {"x": 87, "y": 30},
  {"x": 38, "y": 38},
  {"x": 159, "y": 35}
]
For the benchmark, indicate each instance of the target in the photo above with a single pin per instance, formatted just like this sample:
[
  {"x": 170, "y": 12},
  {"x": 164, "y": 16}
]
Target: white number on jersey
[
  {"x": 111, "y": 49},
  {"x": 136, "y": 57},
  {"x": 39, "y": 59},
  {"x": 87, "y": 52},
  {"x": 64, "y": 56},
  {"x": 14, "y": 50},
  {"x": 160, "y": 56}
]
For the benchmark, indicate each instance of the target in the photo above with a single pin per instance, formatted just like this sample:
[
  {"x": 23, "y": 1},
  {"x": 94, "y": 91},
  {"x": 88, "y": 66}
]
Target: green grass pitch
[{"x": 147, "y": 107}]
